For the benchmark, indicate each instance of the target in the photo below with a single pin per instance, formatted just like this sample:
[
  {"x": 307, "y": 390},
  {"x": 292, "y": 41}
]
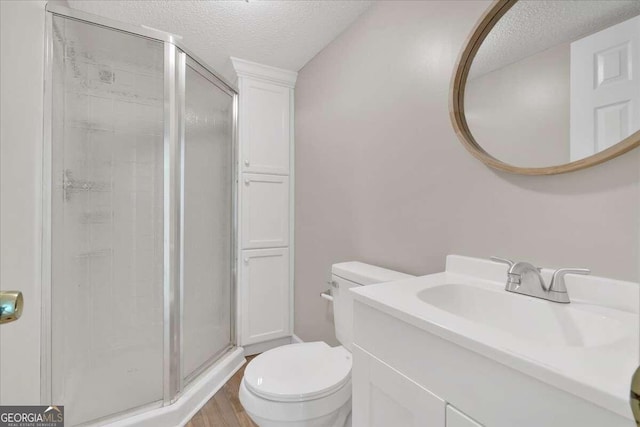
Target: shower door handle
[{"x": 11, "y": 303}]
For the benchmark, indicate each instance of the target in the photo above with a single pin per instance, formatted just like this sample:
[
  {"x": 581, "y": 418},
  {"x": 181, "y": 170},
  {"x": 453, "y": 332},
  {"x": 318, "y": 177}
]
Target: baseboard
[
  {"x": 261, "y": 347},
  {"x": 192, "y": 399}
]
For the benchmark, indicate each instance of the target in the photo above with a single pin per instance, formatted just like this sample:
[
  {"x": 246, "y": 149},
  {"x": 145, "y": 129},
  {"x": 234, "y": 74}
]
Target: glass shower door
[
  {"x": 106, "y": 220},
  {"x": 207, "y": 220},
  {"x": 138, "y": 244}
]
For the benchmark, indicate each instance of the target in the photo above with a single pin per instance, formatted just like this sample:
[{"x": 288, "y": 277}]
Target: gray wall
[
  {"x": 382, "y": 178},
  {"x": 506, "y": 107}
]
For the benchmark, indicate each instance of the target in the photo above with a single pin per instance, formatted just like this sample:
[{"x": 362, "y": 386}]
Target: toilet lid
[{"x": 298, "y": 372}]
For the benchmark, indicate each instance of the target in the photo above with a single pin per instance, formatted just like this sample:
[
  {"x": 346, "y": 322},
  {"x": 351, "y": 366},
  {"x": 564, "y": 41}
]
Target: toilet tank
[{"x": 346, "y": 275}]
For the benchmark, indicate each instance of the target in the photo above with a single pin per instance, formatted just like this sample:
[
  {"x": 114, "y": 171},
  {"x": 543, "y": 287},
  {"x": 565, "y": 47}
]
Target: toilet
[{"x": 309, "y": 384}]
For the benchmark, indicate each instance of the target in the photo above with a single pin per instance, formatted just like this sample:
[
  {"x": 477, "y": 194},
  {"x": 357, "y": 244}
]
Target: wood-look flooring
[{"x": 224, "y": 408}]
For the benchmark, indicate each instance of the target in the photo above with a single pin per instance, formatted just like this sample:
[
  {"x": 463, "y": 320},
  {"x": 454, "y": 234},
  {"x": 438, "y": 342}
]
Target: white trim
[
  {"x": 239, "y": 209},
  {"x": 46, "y": 181},
  {"x": 261, "y": 347},
  {"x": 254, "y": 70},
  {"x": 292, "y": 213},
  {"x": 296, "y": 339},
  {"x": 194, "y": 397}
]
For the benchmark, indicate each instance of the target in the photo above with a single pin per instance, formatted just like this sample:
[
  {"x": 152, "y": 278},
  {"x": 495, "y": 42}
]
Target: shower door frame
[{"x": 176, "y": 59}]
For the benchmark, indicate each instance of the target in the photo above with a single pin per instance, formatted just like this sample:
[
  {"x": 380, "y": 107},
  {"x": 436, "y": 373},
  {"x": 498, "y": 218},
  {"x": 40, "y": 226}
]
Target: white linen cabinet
[{"x": 265, "y": 205}]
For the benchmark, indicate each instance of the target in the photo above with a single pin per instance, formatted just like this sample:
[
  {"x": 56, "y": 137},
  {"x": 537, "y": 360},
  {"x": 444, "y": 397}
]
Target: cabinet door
[
  {"x": 456, "y": 418},
  {"x": 265, "y": 211},
  {"x": 265, "y": 127},
  {"x": 265, "y": 300},
  {"x": 384, "y": 397}
]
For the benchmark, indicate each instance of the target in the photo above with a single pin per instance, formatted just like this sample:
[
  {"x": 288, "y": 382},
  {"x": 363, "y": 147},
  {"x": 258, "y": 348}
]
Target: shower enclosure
[{"x": 139, "y": 217}]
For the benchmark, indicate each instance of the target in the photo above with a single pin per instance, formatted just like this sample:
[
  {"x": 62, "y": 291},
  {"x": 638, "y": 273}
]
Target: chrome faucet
[{"x": 524, "y": 278}]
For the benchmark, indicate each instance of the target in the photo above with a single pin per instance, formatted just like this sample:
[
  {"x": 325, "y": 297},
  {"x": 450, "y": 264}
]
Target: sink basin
[{"x": 525, "y": 317}]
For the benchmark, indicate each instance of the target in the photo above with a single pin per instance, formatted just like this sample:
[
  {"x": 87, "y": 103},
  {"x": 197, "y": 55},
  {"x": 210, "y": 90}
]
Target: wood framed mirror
[{"x": 547, "y": 87}]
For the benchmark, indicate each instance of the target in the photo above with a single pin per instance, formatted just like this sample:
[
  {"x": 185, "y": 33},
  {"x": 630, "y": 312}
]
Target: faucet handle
[
  {"x": 557, "y": 280},
  {"x": 502, "y": 261}
]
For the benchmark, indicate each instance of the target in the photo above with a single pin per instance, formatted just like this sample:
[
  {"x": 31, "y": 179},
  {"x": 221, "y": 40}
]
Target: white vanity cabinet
[
  {"x": 265, "y": 209},
  {"x": 403, "y": 375},
  {"x": 456, "y": 418},
  {"x": 455, "y": 346},
  {"x": 384, "y": 397}
]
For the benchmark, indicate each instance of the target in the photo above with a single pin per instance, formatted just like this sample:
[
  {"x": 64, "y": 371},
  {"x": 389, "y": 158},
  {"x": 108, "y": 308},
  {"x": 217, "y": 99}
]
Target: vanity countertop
[{"x": 589, "y": 348}]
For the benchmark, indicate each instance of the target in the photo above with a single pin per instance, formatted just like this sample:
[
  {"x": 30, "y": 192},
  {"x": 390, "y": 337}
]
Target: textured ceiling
[
  {"x": 532, "y": 26},
  {"x": 285, "y": 34}
]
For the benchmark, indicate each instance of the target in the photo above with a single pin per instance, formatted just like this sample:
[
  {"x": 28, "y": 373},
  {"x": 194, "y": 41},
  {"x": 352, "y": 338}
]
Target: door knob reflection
[
  {"x": 11, "y": 303},
  {"x": 635, "y": 396}
]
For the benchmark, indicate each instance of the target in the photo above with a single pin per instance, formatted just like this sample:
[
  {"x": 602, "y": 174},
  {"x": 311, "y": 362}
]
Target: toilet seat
[{"x": 298, "y": 372}]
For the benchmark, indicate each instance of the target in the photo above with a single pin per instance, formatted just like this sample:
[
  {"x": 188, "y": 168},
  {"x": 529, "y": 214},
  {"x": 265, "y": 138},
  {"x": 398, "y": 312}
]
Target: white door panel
[
  {"x": 22, "y": 30},
  {"x": 265, "y": 211},
  {"x": 265, "y": 299},
  {"x": 265, "y": 128},
  {"x": 605, "y": 88}
]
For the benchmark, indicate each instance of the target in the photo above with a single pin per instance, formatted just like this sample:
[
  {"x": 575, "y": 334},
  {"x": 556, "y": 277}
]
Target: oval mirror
[{"x": 546, "y": 87}]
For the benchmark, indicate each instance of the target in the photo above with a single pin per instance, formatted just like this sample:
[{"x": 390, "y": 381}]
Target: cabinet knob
[
  {"x": 247, "y": 182},
  {"x": 246, "y": 260},
  {"x": 247, "y": 163}
]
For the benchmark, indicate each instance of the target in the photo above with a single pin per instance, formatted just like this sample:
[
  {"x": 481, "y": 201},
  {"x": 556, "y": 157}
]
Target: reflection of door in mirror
[
  {"x": 552, "y": 86},
  {"x": 605, "y": 91}
]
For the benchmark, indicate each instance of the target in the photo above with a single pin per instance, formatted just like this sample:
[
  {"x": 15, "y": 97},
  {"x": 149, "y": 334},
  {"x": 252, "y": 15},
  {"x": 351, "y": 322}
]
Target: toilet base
[
  {"x": 342, "y": 418},
  {"x": 299, "y": 414}
]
